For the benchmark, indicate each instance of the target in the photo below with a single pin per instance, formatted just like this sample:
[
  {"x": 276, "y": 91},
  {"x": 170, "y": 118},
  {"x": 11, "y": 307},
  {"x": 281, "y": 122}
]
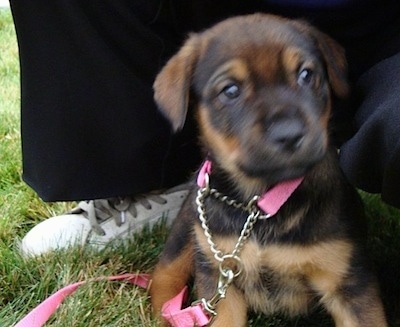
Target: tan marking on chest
[{"x": 284, "y": 277}]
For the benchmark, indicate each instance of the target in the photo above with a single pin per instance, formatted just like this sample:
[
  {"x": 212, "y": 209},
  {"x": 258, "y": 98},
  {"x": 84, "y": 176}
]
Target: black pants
[{"x": 90, "y": 128}]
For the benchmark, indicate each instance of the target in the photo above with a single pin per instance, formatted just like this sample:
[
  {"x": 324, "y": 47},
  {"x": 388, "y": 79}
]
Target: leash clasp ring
[{"x": 230, "y": 263}]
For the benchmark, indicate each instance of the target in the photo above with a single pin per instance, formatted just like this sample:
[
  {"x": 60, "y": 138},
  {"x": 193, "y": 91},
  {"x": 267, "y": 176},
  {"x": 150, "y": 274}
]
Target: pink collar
[{"x": 271, "y": 201}]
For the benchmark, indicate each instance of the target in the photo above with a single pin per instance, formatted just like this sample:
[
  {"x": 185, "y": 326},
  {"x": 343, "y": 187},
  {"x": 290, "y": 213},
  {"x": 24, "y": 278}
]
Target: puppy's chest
[
  {"x": 280, "y": 276},
  {"x": 271, "y": 282},
  {"x": 277, "y": 274}
]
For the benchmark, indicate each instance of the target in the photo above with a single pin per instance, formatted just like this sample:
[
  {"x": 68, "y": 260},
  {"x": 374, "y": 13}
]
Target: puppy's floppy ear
[
  {"x": 172, "y": 84},
  {"x": 336, "y": 63},
  {"x": 334, "y": 57}
]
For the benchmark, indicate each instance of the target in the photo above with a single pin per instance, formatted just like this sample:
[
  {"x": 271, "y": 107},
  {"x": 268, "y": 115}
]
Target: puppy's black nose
[{"x": 286, "y": 134}]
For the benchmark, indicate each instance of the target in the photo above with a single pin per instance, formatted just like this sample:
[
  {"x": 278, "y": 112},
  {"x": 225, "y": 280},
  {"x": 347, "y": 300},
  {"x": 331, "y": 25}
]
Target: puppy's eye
[
  {"x": 229, "y": 92},
  {"x": 305, "y": 77}
]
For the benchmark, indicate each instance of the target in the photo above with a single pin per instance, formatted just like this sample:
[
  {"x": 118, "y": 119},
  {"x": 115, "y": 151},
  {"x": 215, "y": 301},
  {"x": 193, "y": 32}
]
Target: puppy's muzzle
[{"x": 286, "y": 134}]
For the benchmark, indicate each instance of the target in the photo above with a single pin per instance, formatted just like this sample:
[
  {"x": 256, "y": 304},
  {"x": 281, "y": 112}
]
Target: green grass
[{"x": 25, "y": 283}]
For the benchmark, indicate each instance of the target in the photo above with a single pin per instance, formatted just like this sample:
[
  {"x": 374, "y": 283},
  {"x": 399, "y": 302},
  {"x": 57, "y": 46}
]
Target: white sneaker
[{"x": 98, "y": 222}]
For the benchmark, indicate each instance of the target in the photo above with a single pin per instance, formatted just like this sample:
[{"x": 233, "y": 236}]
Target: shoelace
[{"x": 98, "y": 211}]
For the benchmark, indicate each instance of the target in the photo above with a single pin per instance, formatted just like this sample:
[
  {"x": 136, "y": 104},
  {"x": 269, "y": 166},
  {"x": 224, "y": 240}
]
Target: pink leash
[
  {"x": 172, "y": 311},
  {"x": 39, "y": 315},
  {"x": 193, "y": 315}
]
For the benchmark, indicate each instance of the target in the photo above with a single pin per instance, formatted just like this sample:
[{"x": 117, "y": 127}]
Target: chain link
[
  {"x": 249, "y": 207},
  {"x": 254, "y": 214},
  {"x": 245, "y": 233}
]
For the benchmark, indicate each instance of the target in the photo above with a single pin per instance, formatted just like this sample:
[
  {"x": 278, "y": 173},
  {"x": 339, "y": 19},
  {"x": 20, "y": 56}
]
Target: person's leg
[
  {"x": 90, "y": 128},
  {"x": 371, "y": 158}
]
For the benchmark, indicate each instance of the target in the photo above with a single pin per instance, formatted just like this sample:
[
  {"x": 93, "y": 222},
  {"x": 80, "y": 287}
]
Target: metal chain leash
[{"x": 226, "y": 261}]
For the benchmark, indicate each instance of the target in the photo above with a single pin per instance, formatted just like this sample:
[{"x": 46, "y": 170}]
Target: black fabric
[
  {"x": 90, "y": 128},
  {"x": 371, "y": 158}
]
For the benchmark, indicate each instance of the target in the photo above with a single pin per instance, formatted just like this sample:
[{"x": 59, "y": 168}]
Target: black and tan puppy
[{"x": 261, "y": 87}]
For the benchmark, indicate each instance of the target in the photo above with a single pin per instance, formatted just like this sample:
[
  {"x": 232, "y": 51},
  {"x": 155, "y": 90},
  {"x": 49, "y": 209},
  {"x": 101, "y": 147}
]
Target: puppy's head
[{"x": 262, "y": 88}]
